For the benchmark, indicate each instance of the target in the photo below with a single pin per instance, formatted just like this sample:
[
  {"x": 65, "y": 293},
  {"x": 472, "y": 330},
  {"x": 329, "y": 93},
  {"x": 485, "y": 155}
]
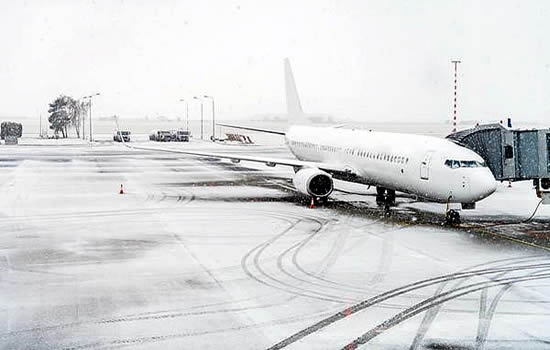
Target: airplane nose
[{"x": 484, "y": 185}]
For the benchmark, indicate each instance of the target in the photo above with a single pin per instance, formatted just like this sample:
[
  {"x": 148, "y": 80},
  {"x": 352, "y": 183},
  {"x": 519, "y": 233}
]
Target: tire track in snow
[
  {"x": 341, "y": 286},
  {"x": 439, "y": 299},
  {"x": 392, "y": 294},
  {"x": 432, "y": 313},
  {"x": 290, "y": 218}
]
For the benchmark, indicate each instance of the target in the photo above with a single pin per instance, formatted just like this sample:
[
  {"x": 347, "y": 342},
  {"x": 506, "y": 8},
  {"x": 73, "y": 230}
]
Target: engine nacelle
[{"x": 313, "y": 182}]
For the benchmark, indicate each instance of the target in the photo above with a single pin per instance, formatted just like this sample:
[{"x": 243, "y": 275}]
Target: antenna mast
[{"x": 455, "y": 62}]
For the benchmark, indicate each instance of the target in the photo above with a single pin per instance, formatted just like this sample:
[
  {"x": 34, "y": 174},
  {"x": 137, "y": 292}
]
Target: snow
[{"x": 209, "y": 254}]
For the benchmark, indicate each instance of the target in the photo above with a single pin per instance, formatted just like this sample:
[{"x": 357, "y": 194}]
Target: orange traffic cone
[
  {"x": 312, "y": 204},
  {"x": 121, "y": 189}
]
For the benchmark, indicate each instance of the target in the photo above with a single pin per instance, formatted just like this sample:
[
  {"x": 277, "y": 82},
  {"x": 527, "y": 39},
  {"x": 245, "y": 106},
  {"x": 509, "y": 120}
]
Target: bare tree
[{"x": 77, "y": 109}]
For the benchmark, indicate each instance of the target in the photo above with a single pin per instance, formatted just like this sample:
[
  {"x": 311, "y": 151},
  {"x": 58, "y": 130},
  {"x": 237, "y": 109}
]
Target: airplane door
[{"x": 425, "y": 166}]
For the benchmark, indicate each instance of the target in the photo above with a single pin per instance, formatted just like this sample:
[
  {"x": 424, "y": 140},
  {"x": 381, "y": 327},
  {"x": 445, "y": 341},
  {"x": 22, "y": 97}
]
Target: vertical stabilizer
[{"x": 294, "y": 108}]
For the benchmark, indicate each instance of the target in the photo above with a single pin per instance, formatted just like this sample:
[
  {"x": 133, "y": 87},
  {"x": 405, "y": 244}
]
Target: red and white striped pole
[{"x": 455, "y": 62}]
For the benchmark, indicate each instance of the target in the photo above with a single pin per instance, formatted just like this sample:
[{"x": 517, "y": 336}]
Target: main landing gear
[{"x": 385, "y": 197}]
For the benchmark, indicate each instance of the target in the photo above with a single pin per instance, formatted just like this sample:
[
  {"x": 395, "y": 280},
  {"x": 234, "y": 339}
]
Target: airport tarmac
[{"x": 201, "y": 253}]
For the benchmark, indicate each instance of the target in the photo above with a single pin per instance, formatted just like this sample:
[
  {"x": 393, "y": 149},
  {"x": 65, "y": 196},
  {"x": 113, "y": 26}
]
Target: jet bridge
[{"x": 512, "y": 155}]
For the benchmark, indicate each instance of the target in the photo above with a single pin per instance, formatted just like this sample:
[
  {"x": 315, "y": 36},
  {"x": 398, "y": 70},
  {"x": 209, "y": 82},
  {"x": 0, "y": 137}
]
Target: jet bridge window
[{"x": 508, "y": 152}]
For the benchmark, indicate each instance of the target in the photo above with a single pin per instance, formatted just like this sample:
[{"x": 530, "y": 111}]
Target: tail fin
[{"x": 294, "y": 108}]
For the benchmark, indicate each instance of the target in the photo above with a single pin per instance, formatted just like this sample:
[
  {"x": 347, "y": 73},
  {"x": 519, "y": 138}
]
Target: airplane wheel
[
  {"x": 452, "y": 217},
  {"x": 387, "y": 210},
  {"x": 390, "y": 197}
]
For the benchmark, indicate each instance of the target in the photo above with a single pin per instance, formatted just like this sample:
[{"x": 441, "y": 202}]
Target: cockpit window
[{"x": 454, "y": 164}]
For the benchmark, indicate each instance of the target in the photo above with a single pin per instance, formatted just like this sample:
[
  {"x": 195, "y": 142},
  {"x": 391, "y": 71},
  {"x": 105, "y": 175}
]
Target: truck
[
  {"x": 180, "y": 135},
  {"x": 121, "y": 135},
  {"x": 161, "y": 136}
]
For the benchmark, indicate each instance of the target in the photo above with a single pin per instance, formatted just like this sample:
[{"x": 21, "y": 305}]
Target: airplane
[{"x": 431, "y": 168}]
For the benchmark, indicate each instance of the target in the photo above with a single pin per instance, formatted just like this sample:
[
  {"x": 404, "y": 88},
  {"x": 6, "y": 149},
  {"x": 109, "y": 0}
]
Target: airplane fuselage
[{"x": 430, "y": 167}]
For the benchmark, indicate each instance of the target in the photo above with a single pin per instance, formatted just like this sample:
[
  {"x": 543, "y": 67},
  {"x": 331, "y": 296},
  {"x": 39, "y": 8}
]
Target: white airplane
[{"x": 429, "y": 167}]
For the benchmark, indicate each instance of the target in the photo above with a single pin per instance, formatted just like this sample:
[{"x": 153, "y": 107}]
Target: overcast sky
[{"x": 365, "y": 60}]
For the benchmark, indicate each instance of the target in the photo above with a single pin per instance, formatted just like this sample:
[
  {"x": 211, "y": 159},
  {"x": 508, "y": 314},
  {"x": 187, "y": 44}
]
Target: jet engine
[{"x": 313, "y": 182}]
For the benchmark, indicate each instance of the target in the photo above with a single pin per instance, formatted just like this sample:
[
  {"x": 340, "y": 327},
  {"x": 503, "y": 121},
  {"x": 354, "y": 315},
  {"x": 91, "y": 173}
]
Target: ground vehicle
[
  {"x": 161, "y": 135},
  {"x": 119, "y": 136},
  {"x": 180, "y": 135}
]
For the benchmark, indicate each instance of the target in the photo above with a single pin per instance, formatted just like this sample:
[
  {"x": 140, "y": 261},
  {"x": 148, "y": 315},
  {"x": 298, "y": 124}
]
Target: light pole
[
  {"x": 213, "y": 117},
  {"x": 202, "y": 118},
  {"x": 90, "y": 105},
  {"x": 82, "y": 117},
  {"x": 186, "y": 112}
]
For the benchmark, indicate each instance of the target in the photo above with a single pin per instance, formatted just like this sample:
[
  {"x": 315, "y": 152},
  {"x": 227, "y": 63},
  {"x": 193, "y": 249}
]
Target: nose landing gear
[{"x": 452, "y": 217}]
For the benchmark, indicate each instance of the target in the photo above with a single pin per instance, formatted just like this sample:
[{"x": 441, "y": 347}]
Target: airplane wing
[
  {"x": 340, "y": 171},
  {"x": 335, "y": 169},
  {"x": 253, "y": 129}
]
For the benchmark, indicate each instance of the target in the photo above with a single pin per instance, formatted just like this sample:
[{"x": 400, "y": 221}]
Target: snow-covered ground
[{"x": 207, "y": 254}]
